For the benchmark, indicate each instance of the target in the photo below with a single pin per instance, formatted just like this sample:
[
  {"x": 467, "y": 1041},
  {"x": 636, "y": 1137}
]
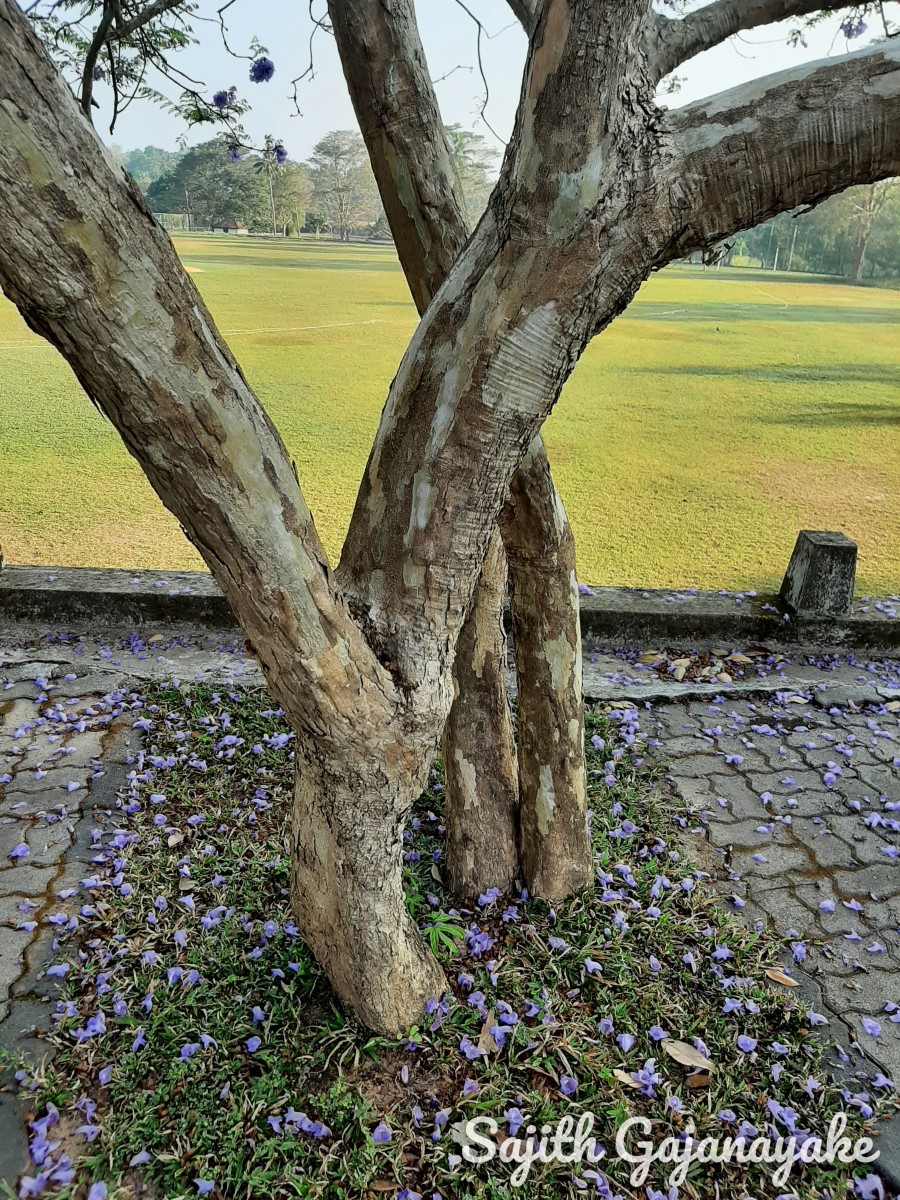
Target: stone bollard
[{"x": 821, "y": 574}]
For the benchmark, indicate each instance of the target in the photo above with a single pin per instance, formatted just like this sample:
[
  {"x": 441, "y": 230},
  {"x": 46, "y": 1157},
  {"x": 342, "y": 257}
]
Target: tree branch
[
  {"x": 678, "y": 39},
  {"x": 782, "y": 141},
  {"x": 126, "y": 28},
  {"x": 116, "y": 302},
  {"x": 110, "y": 8},
  {"x": 398, "y": 114},
  {"x": 525, "y": 11}
]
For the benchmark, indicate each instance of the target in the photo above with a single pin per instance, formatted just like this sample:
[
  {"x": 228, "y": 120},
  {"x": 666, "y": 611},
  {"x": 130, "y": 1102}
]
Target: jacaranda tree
[{"x": 376, "y": 659}]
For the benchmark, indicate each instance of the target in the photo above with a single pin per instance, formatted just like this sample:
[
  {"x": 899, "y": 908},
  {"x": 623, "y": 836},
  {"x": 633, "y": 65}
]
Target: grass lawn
[
  {"x": 721, "y": 414},
  {"x": 202, "y": 1053}
]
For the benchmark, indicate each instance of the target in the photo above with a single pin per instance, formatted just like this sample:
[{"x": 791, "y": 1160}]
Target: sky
[{"x": 450, "y": 40}]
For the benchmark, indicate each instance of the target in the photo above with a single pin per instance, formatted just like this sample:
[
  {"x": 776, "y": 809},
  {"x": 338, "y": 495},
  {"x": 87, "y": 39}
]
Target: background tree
[
  {"x": 476, "y": 165},
  {"x": 292, "y": 195},
  {"x": 599, "y": 187},
  {"x": 343, "y": 187},
  {"x": 212, "y": 186},
  {"x": 150, "y": 164}
]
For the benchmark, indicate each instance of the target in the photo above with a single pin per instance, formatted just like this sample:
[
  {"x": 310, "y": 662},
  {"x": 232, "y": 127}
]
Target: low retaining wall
[{"x": 66, "y": 596}]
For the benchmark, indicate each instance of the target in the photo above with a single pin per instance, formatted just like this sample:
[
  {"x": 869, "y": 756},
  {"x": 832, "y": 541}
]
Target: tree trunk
[
  {"x": 397, "y": 110},
  {"x": 555, "y": 841},
  {"x": 480, "y": 772},
  {"x": 347, "y": 889}
]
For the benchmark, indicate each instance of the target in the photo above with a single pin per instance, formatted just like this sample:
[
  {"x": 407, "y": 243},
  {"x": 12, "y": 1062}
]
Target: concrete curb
[{"x": 61, "y": 596}]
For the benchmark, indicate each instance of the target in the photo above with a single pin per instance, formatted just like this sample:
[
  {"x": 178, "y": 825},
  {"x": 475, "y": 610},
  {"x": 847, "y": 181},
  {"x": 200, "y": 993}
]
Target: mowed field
[{"x": 723, "y": 412}]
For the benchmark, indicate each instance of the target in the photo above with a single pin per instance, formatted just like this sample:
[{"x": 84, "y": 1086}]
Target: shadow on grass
[{"x": 853, "y": 373}]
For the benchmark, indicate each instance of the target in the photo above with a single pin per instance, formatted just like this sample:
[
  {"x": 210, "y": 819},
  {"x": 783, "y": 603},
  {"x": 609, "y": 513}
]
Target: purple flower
[
  {"x": 253, "y": 1044},
  {"x": 20, "y": 851},
  {"x": 280, "y": 154},
  {"x": 646, "y": 1077},
  {"x": 658, "y": 1033},
  {"x": 625, "y": 1041},
  {"x": 568, "y": 1085},
  {"x": 138, "y": 1160},
  {"x": 381, "y": 1134},
  {"x": 261, "y": 70},
  {"x": 97, "y": 1191},
  {"x": 204, "y": 1186},
  {"x": 872, "y": 1028},
  {"x": 514, "y": 1120},
  {"x": 221, "y": 100},
  {"x": 746, "y": 1043}
]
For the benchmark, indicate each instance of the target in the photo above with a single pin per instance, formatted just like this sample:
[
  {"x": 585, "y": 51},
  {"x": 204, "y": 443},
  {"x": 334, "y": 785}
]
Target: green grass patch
[
  {"x": 721, "y": 413},
  {"x": 199, "y": 1047}
]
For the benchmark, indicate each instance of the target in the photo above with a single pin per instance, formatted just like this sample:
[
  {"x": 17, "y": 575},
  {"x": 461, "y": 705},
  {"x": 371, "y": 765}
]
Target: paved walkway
[
  {"x": 788, "y": 766},
  {"x": 66, "y": 743}
]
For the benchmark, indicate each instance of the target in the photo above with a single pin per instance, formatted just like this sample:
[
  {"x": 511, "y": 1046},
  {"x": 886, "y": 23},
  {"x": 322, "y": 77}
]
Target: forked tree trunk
[
  {"x": 480, "y": 772},
  {"x": 397, "y": 110},
  {"x": 555, "y": 840},
  {"x": 598, "y": 188},
  {"x": 347, "y": 888}
]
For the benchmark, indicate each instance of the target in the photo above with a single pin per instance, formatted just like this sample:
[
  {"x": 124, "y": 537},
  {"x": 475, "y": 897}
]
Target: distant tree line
[
  {"x": 854, "y": 235},
  {"x": 333, "y": 192}
]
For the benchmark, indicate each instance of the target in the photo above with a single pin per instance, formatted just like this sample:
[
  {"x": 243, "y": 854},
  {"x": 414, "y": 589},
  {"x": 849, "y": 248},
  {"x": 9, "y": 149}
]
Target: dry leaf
[
  {"x": 698, "y": 1080},
  {"x": 678, "y": 673},
  {"x": 186, "y": 885},
  {"x": 157, "y": 637},
  {"x": 893, "y": 706},
  {"x": 724, "y": 677},
  {"x": 778, "y": 976},
  {"x": 687, "y": 1055},
  {"x": 435, "y": 873},
  {"x": 485, "y": 1040},
  {"x": 174, "y": 839},
  {"x": 624, "y": 1077},
  {"x": 384, "y": 1185}
]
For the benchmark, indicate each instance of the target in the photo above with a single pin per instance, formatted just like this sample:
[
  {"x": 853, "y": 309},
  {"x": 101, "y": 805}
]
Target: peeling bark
[
  {"x": 555, "y": 840},
  {"x": 480, "y": 772},
  {"x": 678, "y": 39},
  {"x": 397, "y": 109},
  {"x": 347, "y": 891}
]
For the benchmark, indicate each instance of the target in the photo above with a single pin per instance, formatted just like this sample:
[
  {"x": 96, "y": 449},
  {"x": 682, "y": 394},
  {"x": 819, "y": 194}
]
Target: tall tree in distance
[
  {"x": 213, "y": 184},
  {"x": 343, "y": 186},
  {"x": 476, "y": 165}
]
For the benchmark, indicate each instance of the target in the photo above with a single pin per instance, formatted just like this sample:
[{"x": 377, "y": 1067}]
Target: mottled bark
[
  {"x": 677, "y": 39},
  {"x": 555, "y": 840},
  {"x": 782, "y": 141},
  {"x": 397, "y": 110},
  {"x": 398, "y": 114},
  {"x": 480, "y": 772},
  {"x": 115, "y": 300},
  {"x": 347, "y": 889}
]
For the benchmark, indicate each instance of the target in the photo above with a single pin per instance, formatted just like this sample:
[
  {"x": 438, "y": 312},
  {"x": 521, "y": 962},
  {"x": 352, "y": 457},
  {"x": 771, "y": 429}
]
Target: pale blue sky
[{"x": 284, "y": 27}]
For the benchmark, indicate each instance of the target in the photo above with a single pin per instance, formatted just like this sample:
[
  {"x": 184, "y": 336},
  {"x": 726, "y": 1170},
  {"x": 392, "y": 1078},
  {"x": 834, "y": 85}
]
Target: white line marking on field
[
  {"x": 777, "y": 299},
  {"x": 299, "y": 328}
]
